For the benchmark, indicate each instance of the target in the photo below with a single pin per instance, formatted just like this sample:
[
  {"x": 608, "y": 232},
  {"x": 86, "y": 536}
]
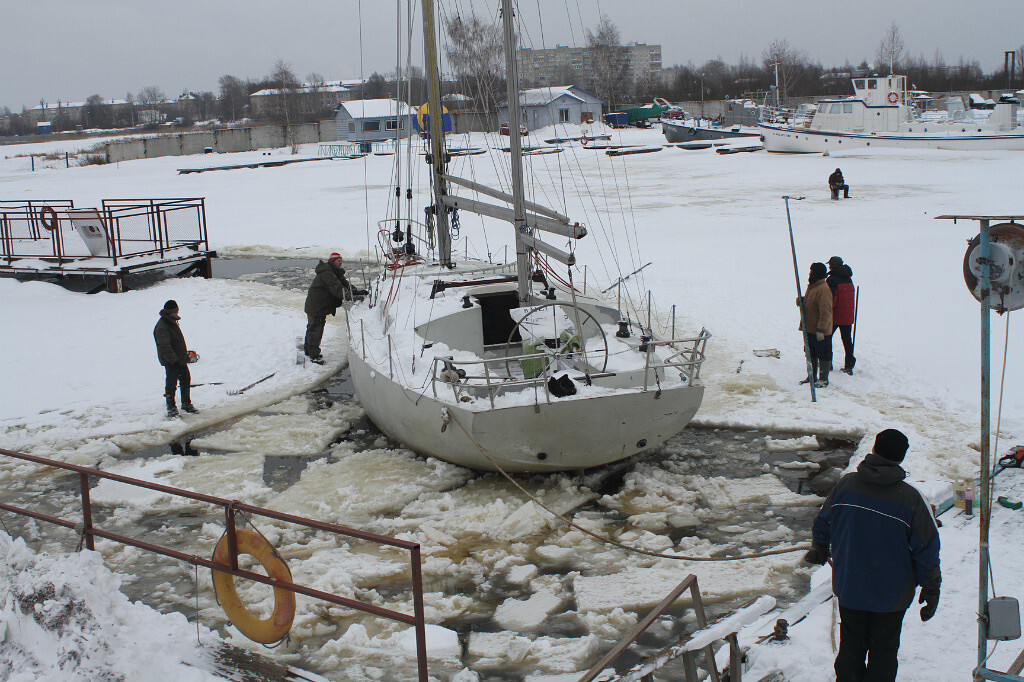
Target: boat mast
[
  {"x": 523, "y": 266},
  {"x": 437, "y": 150}
]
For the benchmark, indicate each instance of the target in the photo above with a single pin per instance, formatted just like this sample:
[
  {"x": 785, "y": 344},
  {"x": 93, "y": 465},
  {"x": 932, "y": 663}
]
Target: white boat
[
  {"x": 882, "y": 113},
  {"x": 514, "y": 366},
  {"x": 696, "y": 129}
]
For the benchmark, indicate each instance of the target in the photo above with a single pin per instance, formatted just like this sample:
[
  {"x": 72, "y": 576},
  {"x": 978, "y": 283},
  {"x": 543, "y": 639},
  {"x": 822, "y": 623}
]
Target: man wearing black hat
[
  {"x": 816, "y": 323},
  {"x": 884, "y": 542},
  {"x": 173, "y": 355},
  {"x": 844, "y": 306}
]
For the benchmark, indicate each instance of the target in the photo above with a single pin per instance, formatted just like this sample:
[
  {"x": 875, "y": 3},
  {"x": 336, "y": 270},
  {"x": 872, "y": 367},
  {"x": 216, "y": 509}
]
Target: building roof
[
  {"x": 375, "y": 108},
  {"x": 326, "y": 87},
  {"x": 543, "y": 96}
]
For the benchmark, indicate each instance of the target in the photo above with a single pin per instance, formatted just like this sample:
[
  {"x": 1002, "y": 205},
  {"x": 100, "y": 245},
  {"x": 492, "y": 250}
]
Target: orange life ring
[
  {"x": 50, "y": 225},
  {"x": 267, "y": 630},
  {"x": 893, "y": 98},
  {"x": 584, "y": 140}
]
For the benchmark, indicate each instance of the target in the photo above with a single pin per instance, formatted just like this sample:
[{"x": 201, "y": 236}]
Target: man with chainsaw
[
  {"x": 174, "y": 356},
  {"x": 884, "y": 543},
  {"x": 329, "y": 290}
]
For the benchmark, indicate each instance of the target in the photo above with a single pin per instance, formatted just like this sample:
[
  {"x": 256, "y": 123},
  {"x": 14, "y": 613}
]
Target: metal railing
[
  {"x": 126, "y": 228},
  {"x": 231, "y": 508}
]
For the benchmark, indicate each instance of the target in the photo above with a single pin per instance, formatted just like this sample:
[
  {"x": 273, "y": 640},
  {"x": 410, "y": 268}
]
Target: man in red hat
[{"x": 328, "y": 291}]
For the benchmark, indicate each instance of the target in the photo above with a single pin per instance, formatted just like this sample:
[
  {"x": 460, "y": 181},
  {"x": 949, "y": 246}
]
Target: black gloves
[
  {"x": 930, "y": 598},
  {"x": 818, "y": 554}
]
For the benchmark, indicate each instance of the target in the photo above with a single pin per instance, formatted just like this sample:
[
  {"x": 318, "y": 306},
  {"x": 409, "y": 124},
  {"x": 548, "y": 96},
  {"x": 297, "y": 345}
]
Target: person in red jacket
[{"x": 844, "y": 309}]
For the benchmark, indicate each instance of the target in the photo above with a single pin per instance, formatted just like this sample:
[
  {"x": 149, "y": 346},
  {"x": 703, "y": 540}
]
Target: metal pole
[
  {"x": 984, "y": 501},
  {"x": 437, "y": 150},
  {"x": 800, "y": 298}
]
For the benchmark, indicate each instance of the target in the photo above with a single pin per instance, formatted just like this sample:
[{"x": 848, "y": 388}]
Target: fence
[{"x": 231, "y": 508}]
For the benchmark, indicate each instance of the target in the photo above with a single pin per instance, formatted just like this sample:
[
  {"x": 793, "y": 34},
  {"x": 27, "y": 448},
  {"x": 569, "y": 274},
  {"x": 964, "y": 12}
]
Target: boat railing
[{"x": 687, "y": 356}]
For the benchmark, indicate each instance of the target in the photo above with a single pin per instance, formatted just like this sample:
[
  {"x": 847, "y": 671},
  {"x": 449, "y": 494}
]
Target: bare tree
[
  {"x": 1020, "y": 63},
  {"x": 610, "y": 62},
  {"x": 790, "y": 62},
  {"x": 890, "y": 50},
  {"x": 233, "y": 97},
  {"x": 316, "y": 84},
  {"x": 474, "y": 53},
  {"x": 287, "y": 86},
  {"x": 151, "y": 95}
]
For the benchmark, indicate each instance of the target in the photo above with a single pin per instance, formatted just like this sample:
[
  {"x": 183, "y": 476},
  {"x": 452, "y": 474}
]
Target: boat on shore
[
  {"x": 515, "y": 366},
  {"x": 695, "y": 129},
  {"x": 881, "y": 113}
]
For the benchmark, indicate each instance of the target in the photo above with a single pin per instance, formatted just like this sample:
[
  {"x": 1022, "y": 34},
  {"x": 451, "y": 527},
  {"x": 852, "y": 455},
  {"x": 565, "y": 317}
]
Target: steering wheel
[{"x": 567, "y": 349}]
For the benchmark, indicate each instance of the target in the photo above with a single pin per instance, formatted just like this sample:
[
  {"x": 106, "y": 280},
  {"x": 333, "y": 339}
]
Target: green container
[{"x": 1010, "y": 502}]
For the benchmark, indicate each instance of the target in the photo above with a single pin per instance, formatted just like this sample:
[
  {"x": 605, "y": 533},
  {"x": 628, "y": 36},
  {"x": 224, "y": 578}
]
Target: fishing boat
[
  {"x": 696, "y": 129},
  {"x": 514, "y": 366},
  {"x": 881, "y": 113}
]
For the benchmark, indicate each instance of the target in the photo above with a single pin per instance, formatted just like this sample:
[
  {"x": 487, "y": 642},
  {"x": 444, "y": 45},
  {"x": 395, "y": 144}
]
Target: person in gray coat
[
  {"x": 329, "y": 290},
  {"x": 174, "y": 356}
]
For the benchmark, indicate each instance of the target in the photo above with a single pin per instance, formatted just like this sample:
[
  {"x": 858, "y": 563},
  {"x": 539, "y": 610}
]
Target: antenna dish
[{"x": 1006, "y": 267}]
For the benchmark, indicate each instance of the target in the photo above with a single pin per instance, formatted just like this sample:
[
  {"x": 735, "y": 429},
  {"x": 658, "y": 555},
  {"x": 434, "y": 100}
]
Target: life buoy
[
  {"x": 267, "y": 630},
  {"x": 893, "y": 98},
  {"x": 693, "y": 131},
  {"x": 584, "y": 139},
  {"x": 50, "y": 225}
]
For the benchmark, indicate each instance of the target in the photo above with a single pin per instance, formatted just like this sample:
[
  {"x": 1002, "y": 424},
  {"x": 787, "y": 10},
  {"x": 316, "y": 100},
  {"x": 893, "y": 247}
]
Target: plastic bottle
[{"x": 969, "y": 500}]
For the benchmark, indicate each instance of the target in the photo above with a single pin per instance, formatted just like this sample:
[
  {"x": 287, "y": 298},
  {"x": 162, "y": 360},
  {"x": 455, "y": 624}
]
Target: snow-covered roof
[
  {"x": 541, "y": 96},
  {"x": 305, "y": 87},
  {"x": 376, "y": 108}
]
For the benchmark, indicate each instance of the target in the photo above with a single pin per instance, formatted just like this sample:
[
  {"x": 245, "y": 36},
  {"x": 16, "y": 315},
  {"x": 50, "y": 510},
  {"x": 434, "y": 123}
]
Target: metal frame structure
[
  {"x": 141, "y": 235},
  {"x": 231, "y": 507},
  {"x": 981, "y": 672}
]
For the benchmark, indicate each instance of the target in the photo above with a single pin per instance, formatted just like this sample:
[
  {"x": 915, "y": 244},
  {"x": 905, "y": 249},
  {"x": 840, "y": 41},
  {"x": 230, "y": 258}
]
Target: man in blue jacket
[{"x": 884, "y": 543}]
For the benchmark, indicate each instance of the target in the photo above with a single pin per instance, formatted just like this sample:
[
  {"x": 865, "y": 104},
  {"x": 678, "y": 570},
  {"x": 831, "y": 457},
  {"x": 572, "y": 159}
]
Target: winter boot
[
  {"x": 190, "y": 408},
  {"x": 823, "y": 370},
  {"x": 172, "y": 409},
  {"x": 848, "y": 367}
]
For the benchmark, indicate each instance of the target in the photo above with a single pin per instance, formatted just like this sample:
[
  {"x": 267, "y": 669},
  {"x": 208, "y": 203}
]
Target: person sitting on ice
[
  {"x": 330, "y": 288},
  {"x": 837, "y": 183},
  {"x": 884, "y": 543},
  {"x": 174, "y": 356}
]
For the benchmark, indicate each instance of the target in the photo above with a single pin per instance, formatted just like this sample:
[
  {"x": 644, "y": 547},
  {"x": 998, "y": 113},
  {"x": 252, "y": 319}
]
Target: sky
[{"x": 70, "y": 49}]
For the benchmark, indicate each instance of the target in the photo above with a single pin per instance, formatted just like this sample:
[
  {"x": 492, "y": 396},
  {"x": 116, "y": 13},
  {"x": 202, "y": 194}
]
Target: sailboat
[{"x": 517, "y": 366}]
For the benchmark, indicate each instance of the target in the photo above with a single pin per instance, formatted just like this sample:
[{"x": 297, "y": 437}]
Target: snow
[{"x": 81, "y": 383}]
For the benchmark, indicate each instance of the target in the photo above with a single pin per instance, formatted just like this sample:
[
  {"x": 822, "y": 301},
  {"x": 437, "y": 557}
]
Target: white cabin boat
[
  {"x": 516, "y": 366},
  {"x": 881, "y": 113}
]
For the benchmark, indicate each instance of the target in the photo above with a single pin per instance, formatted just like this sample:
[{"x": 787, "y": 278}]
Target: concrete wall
[{"x": 223, "y": 141}]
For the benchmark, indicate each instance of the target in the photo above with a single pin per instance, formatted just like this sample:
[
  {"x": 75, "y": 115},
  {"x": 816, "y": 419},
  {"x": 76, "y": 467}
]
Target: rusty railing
[{"x": 231, "y": 508}]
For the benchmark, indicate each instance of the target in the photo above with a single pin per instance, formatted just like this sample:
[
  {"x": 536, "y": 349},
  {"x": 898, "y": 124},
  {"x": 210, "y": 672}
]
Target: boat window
[
  {"x": 837, "y": 108},
  {"x": 859, "y": 84},
  {"x": 873, "y": 84},
  {"x": 497, "y": 323},
  {"x": 847, "y": 107},
  {"x": 822, "y": 108}
]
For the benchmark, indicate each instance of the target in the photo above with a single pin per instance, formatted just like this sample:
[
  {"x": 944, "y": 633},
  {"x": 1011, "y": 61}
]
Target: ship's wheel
[
  {"x": 1006, "y": 261},
  {"x": 565, "y": 352}
]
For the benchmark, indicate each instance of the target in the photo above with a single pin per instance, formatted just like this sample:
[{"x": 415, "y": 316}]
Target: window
[
  {"x": 371, "y": 126},
  {"x": 837, "y": 108},
  {"x": 873, "y": 84},
  {"x": 859, "y": 84},
  {"x": 847, "y": 107},
  {"x": 563, "y": 115},
  {"x": 822, "y": 108},
  {"x": 351, "y": 126},
  {"x": 391, "y": 124}
]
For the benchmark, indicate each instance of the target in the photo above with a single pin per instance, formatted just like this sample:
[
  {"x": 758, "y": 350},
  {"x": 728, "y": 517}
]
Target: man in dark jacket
[
  {"x": 173, "y": 355},
  {"x": 884, "y": 543},
  {"x": 844, "y": 306},
  {"x": 328, "y": 291},
  {"x": 836, "y": 183}
]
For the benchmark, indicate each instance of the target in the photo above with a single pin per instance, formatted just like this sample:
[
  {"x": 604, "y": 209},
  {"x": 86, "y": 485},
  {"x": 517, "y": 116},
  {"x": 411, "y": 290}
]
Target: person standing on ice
[
  {"x": 884, "y": 543},
  {"x": 173, "y": 355},
  {"x": 328, "y": 291},
  {"x": 844, "y": 311},
  {"x": 817, "y": 316},
  {"x": 836, "y": 182}
]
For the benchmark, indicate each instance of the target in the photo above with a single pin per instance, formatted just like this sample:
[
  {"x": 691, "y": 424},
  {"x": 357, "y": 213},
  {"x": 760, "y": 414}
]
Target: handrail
[{"x": 231, "y": 508}]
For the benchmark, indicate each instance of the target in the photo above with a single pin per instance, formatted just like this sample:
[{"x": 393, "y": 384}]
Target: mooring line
[{"x": 607, "y": 540}]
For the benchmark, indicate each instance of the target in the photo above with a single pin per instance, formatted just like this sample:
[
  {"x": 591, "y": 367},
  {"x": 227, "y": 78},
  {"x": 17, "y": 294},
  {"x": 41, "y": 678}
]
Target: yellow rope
[{"x": 607, "y": 540}]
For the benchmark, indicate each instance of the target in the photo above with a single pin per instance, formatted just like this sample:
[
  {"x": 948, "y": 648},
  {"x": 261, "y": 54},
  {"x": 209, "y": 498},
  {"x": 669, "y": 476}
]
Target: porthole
[
  {"x": 642, "y": 443},
  {"x": 542, "y": 455}
]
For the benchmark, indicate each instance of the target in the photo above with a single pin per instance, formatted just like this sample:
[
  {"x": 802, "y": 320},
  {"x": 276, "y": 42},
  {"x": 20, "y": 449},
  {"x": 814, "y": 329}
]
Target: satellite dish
[{"x": 1006, "y": 266}]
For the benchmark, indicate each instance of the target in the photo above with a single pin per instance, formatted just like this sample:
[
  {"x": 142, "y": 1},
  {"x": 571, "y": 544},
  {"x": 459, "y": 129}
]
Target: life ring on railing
[
  {"x": 50, "y": 225},
  {"x": 693, "y": 131},
  {"x": 584, "y": 140},
  {"x": 893, "y": 98},
  {"x": 267, "y": 630}
]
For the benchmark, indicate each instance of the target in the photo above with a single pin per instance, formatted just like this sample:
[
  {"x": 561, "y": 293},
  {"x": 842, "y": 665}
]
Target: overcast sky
[{"x": 71, "y": 49}]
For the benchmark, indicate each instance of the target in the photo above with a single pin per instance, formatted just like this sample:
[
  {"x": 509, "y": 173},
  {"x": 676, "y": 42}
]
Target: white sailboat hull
[
  {"x": 566, "y": 433},
  {"x": 805, "y": 141}
]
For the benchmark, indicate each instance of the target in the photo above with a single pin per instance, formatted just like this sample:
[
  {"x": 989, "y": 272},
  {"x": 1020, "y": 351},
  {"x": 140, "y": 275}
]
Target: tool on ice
[{"x": 243, "y": 390}]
